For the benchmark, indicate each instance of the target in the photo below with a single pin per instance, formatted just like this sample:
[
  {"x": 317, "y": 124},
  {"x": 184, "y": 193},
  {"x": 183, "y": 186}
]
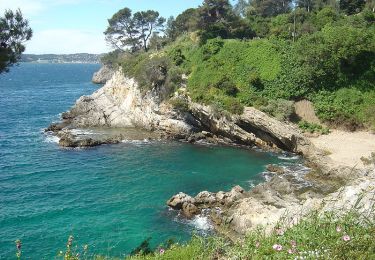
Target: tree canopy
[
  {"x": 14, "y": 31},
  {"x": 271, "y": 7},
  {"x": 126, "y": 30},
  {"x": 218, "y": 19},
  {"x": 352, "y": 6}
]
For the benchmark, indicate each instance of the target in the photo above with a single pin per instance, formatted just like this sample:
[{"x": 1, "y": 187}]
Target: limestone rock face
[
  {"x": 253, "y": 127},
  {"x": 205, "y": 197},
  {"x": 268, "y": 207},
  {"x": 120, "y": 103},
  {"x": 103, "y": 75}
]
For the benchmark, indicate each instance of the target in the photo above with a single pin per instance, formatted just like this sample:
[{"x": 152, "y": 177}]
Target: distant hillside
[{"x": 62, "y": 58}]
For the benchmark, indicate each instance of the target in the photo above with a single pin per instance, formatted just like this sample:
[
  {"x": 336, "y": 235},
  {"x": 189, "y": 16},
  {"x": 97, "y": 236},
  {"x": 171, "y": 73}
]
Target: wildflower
[
  {"x": 338, "y": 229},
  {"x": 279, "y": 232},
  {"x": 291, "y": 251},
  {"x": 277, "y": 247},
  {"x": 161, "y": 251},
  {"x": 346, "y": 238},
  {"x": 293, "y": 243},
  {"x": 257, "y": 244}
]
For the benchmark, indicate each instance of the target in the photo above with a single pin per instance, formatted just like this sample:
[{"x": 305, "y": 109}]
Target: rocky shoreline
[{"x": 121, "y": 104}]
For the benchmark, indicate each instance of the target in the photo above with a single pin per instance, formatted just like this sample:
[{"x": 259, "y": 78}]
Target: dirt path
[{"x": 346, "y": 148}]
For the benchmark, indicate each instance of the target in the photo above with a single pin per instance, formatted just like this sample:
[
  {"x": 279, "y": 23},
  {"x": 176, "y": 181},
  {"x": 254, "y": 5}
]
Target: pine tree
[{"x": 14, "y": 31}]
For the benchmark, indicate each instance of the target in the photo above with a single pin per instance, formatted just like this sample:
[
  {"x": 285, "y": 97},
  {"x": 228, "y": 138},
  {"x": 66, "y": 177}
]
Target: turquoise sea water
[{"x": 110, "y": 197}]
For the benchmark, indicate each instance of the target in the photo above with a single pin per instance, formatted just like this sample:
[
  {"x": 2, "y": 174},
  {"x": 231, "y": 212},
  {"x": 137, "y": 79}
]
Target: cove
[{"x": 110, "y": 197}]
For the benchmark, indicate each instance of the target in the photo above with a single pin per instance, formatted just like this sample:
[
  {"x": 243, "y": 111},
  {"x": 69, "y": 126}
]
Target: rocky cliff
[
  {"x": 103, "y": 75},
  {"x": 120, "y": 103}
]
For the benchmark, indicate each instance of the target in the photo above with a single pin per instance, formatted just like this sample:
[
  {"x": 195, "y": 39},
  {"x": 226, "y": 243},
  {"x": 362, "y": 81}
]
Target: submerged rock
[
  {"x": 67, "y": 139},
  {"x": 275, "y": 169}
]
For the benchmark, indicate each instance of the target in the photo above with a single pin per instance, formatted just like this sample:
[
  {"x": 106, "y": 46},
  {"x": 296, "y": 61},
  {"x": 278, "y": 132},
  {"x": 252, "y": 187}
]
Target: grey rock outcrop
[
  {"x": 103, "y": 75},
  {"x": 253, "y": 127},
  {"x": 190, "y": 206},
  {"x": 178, "y": 200},
  {"x": 120, "y": 103}
]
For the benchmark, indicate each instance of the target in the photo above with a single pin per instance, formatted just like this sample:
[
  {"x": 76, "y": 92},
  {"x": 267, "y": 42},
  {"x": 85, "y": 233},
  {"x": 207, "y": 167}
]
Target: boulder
[
  {"x": 206, "y": 198},
  {"x": 189, "y": 209},
  {"x": 275, "y": 169},
  {"x": 177, "y": 201},
  {"x": 227, "y": 198}
]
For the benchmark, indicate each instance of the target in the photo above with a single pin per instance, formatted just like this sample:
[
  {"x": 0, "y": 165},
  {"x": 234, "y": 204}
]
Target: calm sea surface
[{"x": 110, "y": 197}]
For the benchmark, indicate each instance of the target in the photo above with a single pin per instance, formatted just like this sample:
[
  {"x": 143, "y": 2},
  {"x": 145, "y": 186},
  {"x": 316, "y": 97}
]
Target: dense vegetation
[{"x": 267, "y": 54}]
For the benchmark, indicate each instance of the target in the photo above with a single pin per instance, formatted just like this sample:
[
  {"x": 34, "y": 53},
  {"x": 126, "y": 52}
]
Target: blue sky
[{"x": 72, "y": 26}]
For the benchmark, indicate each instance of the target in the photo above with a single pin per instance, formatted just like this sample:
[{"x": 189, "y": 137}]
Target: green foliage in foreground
[{"x": 316, "y": 237}]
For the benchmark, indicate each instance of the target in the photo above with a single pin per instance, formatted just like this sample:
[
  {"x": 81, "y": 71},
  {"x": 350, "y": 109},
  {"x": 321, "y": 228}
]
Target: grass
[{"x": 326, "y": 236}]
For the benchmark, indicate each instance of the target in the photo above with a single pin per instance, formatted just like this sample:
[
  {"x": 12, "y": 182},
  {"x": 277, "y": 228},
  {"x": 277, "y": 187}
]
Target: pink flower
[
  {"x": 338, "y": 229},
  {"x": 161, "y": 251},
  {"x": 257, "y": 244},
  {"x": 279, "y": 232},
  {"x": 293, "y": 243},
  {"x": 277, "y": 247},
  {"x": 291, "y": 251},
  {"x": 346, "y": 238}
]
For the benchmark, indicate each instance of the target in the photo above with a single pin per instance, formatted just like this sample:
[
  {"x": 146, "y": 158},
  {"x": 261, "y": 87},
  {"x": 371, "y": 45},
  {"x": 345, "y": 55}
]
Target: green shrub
[
  {"x": 233, "y": 106},
  {"x": 180, "y": 104},
  {"x": 153, "y": 70},
  {"x": 281, "y": 109},
  {"x": 313, "y": 128},
  {"x": 112, "y": 58},
  {"x": 211, "y": 48},
  {"x": 227, "y": 86},
  {"x": 176, "y": 56},
  {"x": 346, "y": 107}
]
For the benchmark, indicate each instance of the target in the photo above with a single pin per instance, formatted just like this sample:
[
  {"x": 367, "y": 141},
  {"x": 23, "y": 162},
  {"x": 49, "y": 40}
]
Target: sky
[{"x": 77, "y": 26}]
